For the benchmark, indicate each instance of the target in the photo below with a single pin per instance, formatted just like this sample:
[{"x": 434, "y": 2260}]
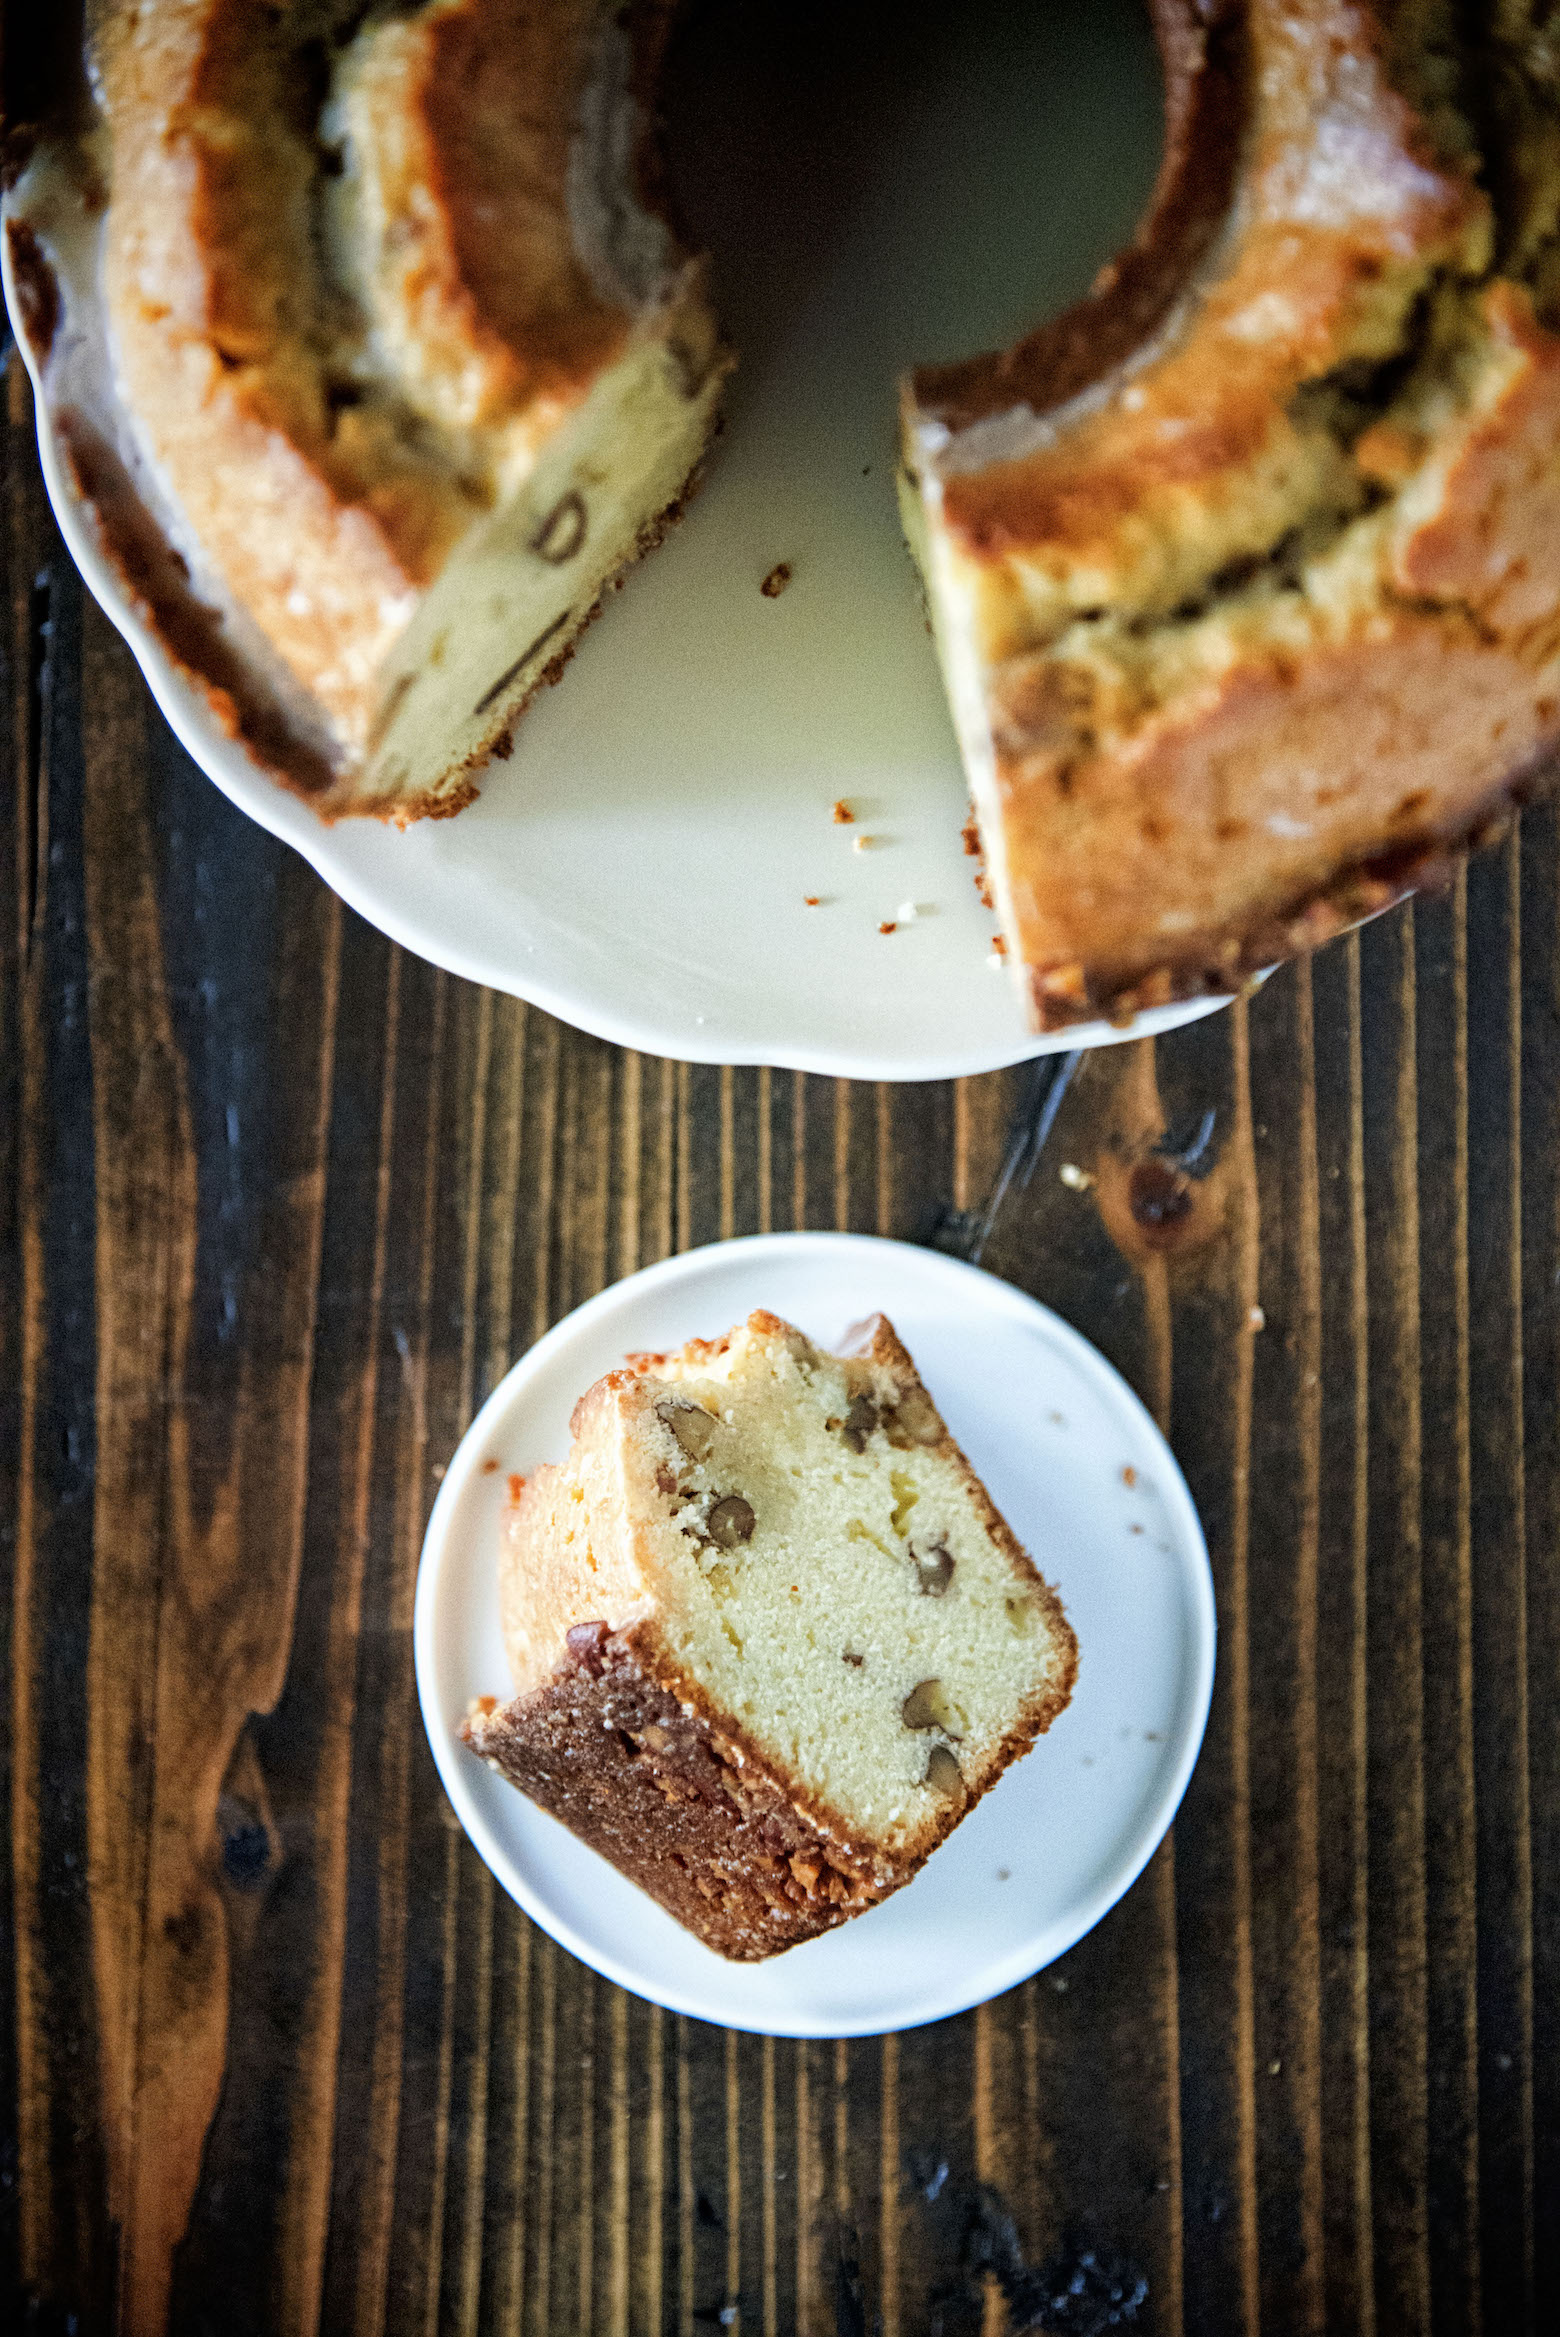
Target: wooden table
[{"x": 282, "y": 1203}]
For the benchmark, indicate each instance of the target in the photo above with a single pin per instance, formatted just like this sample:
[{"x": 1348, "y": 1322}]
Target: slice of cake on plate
[{"x": 770, "y": 1639}]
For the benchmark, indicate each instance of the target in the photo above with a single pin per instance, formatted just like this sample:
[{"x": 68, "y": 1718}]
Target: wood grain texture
[{"x": 281, "y": 1205}]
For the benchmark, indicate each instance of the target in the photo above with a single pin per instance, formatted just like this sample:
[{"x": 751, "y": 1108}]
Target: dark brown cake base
[{"x": 606, "y": 1747}]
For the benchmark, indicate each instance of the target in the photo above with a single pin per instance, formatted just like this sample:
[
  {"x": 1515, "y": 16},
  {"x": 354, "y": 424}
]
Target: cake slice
[{"x": 770, "y": 1639}]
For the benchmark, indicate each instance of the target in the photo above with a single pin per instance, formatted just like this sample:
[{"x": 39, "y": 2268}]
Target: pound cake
[
  {"x": 407, "y": 353},
  {"x": 1245, "y": 573},
  {"x": 769, "y": 1638}
]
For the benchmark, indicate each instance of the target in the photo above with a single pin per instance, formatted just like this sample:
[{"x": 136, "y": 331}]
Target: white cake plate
[
  {"x": 641, "y": 866},
  {"x": 1088, "y": 1484}
]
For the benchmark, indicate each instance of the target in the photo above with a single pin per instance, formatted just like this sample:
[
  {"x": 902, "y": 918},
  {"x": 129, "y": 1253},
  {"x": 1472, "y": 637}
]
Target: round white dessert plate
[
  {"x": 1087, "y": 1482},
  {"x": 641, "y": 867}
]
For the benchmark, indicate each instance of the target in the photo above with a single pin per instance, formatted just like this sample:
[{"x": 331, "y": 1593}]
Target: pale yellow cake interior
[{"x": 867, "y": 1629}]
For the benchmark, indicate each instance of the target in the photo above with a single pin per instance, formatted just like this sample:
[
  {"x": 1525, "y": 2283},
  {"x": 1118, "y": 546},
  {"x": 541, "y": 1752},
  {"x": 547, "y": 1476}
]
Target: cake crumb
[
  {"x": 811, "y": 900},
  {"x": 776, "y": 581},
  {"x": 907, "y": 912},
  {"x": 862, "y": 843},
  {"x": 516, "y": 1487},
  {"x": 999, "y": 945},
  {"x": 1129, "y": 1475},
  {"x": 888, "y": 926},
  {"x": 1077, "y": 1180},
  {"x": 844, "y": 817},
  {"x": 1256, "y": 1318},
  {"x": 993, "y": 962},
  {"x": 490, "y": 1468}
]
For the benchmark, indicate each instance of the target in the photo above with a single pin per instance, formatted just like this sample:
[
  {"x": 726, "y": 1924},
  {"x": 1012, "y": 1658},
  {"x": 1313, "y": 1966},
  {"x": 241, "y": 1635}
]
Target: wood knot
[
  {"x": 246, "y": 1855},
  {"x": 1162, "y": 1196},
  {"x": 1160, "y": 1199},
  {"x": 245, "y": 1845}
]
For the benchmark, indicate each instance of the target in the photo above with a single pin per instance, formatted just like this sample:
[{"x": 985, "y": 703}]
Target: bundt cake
[
  {"x": 1245, "y": 573},
  {"x": 769, "y": 1638},
  {"x": 404, "y": 339}
]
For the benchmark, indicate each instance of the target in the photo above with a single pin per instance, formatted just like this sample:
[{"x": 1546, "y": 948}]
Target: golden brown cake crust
[
  {"x": 1316, "y": 265},
  {"x": 158, "y": 584},
  {"x": 496, "y": 273},
  {"x": 1306, "y": 792},
  {"x": 314, "y": 511},
  {"x": 1202, "y": 51},
  {"x": 679, "y": 1801},
  {"x": 1266, "y": 592}
]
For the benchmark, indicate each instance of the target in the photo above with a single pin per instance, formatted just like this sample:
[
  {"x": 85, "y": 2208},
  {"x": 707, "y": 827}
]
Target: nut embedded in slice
[
  {"x": 860, "y": 1421},
  {"x": 730, "y": 1694},
  {"x": 731, "y": 1521},
  {"x": 934, "y": 1570},
  {"x": 913, "y": 1420},
  {"x": 692, "y": 1427},
  {"x": 929, "y": 1705}
]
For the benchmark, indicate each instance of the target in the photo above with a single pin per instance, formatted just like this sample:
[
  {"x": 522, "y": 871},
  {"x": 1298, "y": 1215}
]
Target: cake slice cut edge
[{"x": 770, "y": 1638}]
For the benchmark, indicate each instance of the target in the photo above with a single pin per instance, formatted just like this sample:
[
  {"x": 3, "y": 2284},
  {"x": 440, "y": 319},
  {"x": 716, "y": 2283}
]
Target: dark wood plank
[
  {"x": 1394, "y": 1630},
  {"x": 1285, "y": 1655},
  {"x": 1498, "y": 1835},
  {"x": 62, "y": 2229},
  {"x": 1343, "y": 1838},
  {"x": 1521, "y": 2190}
]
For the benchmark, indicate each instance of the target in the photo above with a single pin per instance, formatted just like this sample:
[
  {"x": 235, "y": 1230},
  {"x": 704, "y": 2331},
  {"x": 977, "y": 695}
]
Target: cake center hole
[{"x": 964, "y": 171}]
